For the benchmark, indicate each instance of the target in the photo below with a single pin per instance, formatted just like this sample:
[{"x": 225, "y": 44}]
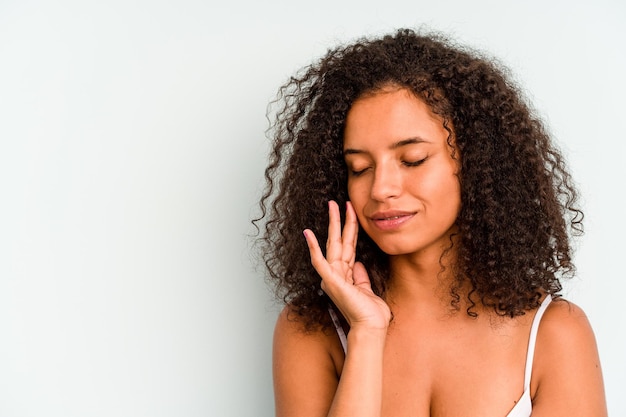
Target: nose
[{"x": 387, "y": 182}]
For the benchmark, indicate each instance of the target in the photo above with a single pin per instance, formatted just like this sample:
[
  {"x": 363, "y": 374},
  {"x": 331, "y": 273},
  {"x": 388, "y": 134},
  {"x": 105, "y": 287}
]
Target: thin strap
[
  {"x": 339, "y": 328},
  {"x": 531, "y": 342}
]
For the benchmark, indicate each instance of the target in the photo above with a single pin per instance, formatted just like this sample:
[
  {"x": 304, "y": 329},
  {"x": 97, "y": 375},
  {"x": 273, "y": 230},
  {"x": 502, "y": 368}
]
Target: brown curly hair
[{"x": 518, "y": 200}]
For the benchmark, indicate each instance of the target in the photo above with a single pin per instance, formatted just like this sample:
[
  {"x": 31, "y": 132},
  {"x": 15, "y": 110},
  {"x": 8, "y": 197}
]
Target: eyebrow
[{"x": 396, "y": 145}]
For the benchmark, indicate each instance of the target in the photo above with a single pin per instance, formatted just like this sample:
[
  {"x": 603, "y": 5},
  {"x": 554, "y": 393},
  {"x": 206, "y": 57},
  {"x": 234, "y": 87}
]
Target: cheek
[
  {"x": 444, "y": 187},
  {"x": 451, "y": 195},
  {"x": 358, "y": 197},
  {"x": 355, "y": 191}
]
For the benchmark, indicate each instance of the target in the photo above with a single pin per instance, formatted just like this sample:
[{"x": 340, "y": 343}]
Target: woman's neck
[{"x": 421, "y": 279}]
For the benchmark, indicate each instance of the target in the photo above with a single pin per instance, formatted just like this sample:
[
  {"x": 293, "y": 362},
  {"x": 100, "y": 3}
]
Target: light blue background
[{"x": 131, "y": 157}]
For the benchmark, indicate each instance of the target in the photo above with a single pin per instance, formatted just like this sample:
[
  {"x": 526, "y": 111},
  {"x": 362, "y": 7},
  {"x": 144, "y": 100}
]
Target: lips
[{"x": 390, "y": 220}]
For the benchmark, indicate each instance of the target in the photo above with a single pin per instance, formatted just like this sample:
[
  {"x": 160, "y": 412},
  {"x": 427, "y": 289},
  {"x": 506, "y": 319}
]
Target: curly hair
[{"x": 518, "y": 202}]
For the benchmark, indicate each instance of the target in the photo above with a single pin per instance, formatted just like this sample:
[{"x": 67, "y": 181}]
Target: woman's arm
[
  {"x": 567, "y": 376},
  {"x": 305, "y": 373},
  {"x": 305, "y": 380}
]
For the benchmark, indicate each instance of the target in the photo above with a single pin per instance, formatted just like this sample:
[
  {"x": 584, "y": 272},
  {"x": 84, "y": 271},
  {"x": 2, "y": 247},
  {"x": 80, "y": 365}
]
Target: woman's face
[{"x": 402, "y": 178}]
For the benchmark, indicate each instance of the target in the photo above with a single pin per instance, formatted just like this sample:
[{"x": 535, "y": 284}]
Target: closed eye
[
  {"x": 414, "y": 163},
  {"x": 356, "y": 173}
]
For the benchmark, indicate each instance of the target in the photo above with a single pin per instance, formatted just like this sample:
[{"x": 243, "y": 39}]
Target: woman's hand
[{"x": 345, "y": 281}]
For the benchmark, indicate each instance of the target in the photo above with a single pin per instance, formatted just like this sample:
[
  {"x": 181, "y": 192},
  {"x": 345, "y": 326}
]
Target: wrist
[{"x": 367, "y": 335}]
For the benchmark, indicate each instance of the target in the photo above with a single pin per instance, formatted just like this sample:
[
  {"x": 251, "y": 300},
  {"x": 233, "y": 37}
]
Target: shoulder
[
  {"x": 563, "y": 316},
  {"x": 292, "y": 325},
  {"x": 564, "y": 325},
  {"x": 306, "y": 365},
  {"x": 566, "y": 370},
  {"x": 291, "y": 328},
  {"x": 292, "y": 334}
]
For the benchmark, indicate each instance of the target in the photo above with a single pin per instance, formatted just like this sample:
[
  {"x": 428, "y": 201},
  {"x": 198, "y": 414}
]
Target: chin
[{"x": 394, "y": 248}]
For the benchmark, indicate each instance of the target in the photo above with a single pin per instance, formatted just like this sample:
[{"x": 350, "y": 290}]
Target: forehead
[{"x": 391, "y": 115}]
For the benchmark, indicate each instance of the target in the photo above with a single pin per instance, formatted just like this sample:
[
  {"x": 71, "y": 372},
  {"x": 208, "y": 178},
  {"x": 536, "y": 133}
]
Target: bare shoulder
[
  {"x": 291, "y": 324},
  {"x": 564, "y": 322},
  {"x": 565, "y": 328},
  {"x": 306, "y": 367},
  {"x": 291, "y": 331},
  {"x": 567, "y": 376}
]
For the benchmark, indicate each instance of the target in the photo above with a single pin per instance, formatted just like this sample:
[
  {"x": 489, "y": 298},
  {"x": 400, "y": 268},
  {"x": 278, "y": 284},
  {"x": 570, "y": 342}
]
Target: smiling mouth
[{"x": 391, "y": 221}]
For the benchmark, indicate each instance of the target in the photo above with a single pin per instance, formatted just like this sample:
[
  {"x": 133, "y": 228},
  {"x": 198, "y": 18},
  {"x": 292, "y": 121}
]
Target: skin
[{"x": 430, "y": 360}]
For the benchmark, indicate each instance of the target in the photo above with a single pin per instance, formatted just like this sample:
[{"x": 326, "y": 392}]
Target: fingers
[
  {"x": 340, "y": 245},
  {"x": 317, "y": 257},
  {"x": 334, "y": 243},
  {"x": 359, "y": 275},
  {"x": 350, "y": 235}
]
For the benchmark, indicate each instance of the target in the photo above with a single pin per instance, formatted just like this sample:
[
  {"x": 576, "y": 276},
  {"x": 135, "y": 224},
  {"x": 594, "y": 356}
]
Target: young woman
[{"x": 445, "y": 212}]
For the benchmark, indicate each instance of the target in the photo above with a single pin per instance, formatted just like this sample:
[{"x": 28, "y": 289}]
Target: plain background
[{"x": 132, "y": 149}]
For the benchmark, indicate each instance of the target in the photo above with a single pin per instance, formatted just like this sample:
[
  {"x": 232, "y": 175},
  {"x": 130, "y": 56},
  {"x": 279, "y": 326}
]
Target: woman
[{"x": 447, "y": 301}]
